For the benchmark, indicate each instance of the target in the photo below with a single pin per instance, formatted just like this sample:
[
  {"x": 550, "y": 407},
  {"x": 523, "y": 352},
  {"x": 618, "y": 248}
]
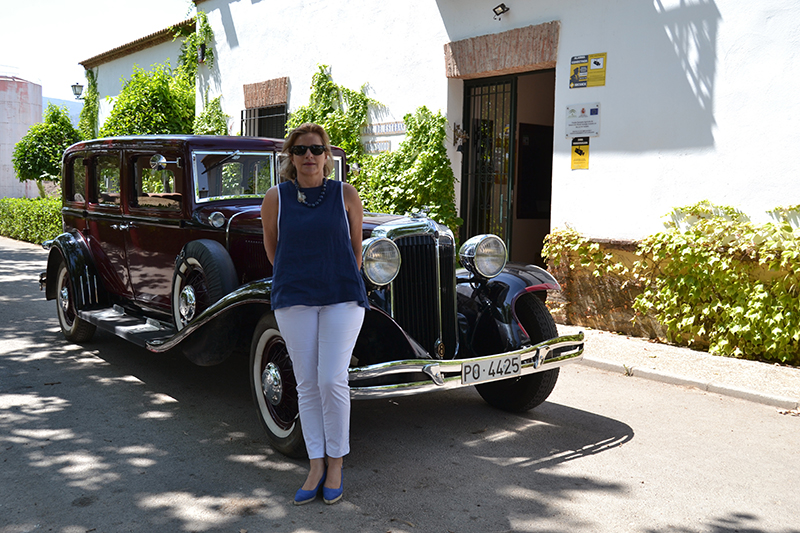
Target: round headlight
[
  {"x": 380, "y": 260},
  {"x": 484, "y": 255}
]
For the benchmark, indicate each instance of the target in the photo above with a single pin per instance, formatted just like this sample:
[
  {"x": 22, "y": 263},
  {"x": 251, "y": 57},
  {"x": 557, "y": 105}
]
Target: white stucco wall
[
  {"x": 20, "y": 108},
  {"x": 395, "y": 47},
  {"x": 696, "y": 96},
  {"x": 111, "y": 76}
]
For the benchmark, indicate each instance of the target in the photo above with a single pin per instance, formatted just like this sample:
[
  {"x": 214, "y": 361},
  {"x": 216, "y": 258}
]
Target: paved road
[{"x": 109, "y": 438}]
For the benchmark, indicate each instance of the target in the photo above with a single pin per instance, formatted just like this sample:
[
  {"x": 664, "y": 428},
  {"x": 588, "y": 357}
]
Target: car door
[
  {"x": 155, "y": 237},
  {"x": 105, "y": 221}
]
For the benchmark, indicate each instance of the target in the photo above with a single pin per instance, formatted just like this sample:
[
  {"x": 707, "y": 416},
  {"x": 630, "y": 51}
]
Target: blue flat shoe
[
  {"x": 331, "y": 496},
  {"x": 303, "y": 497}
]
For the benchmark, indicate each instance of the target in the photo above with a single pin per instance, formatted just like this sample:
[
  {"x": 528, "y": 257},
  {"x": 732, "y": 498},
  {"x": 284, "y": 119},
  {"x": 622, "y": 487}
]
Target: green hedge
[{"x": 30, "y": 219}]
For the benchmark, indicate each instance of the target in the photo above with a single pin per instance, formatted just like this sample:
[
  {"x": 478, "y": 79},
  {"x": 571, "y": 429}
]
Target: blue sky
[{"x": 43, "y": 41}]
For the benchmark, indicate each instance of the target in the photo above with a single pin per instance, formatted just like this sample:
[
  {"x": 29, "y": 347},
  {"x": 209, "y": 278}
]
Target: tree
[
  {"x": 155, "y": 102},
  {"x": 37, "y": 156}
]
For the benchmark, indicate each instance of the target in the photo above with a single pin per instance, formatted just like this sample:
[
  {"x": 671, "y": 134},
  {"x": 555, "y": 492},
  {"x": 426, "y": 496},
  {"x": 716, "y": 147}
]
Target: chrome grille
[{"x": 423, "y": 294}]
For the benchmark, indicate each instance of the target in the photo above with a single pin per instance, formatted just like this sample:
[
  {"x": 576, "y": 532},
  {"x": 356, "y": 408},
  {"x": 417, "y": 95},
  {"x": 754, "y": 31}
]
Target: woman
[{"x": 312, "y": 234}]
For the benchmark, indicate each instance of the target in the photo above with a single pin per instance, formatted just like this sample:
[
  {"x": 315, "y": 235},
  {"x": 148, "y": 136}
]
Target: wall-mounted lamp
[
  {"x": 499, "y": 10},
  {"x": 201, "y": 53},
  {"x": 77, "y": 90},
  {"x": 459, "y": 136}
]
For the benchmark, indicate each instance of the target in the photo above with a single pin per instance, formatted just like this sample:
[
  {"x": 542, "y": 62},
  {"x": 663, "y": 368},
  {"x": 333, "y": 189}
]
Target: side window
[
  {"x": 106, "y": 175},
  {"x": 75, "y": 189},
  {"x": 156, "y": 189}
]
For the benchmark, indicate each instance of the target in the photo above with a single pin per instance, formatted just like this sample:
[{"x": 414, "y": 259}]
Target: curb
[{"x": 781, "y": 402}]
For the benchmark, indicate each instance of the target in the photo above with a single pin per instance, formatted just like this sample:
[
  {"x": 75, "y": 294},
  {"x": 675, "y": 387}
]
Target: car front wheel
[
  {"x": 526, "y": 392},
  {"x": 74, "y": 328},
  {"x": 275, "y": 389}
]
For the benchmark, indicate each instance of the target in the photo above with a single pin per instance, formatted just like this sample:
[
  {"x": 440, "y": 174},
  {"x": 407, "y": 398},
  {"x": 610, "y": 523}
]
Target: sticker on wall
[
  {"x": 580, "y": 153},
  {"x": 583, "y": 120},
  {"x": 587, "y": 71}
]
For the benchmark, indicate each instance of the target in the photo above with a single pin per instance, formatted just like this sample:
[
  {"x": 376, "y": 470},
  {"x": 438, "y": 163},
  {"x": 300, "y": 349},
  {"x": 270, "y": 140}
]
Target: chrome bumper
[{"x": 442, "y": 375}]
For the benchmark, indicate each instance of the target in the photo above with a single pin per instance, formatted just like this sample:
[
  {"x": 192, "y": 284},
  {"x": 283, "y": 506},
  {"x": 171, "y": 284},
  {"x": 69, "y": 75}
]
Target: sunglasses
[{"x": 300, "y": 149}]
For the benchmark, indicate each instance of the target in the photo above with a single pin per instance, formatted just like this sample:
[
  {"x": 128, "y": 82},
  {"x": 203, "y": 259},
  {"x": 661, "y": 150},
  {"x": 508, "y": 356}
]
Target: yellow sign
[
  {"x": 587, "y": 71},
  {"x": 580, "y": 153}
]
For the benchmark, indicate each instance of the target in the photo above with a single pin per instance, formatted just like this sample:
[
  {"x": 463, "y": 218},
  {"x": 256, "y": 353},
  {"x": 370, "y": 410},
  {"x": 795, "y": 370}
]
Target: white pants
[{"x": 320, "y": 341}]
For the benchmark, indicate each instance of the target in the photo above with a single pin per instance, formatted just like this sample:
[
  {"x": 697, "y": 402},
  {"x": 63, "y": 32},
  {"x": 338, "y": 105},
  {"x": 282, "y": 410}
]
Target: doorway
[{"x": 507, "y": 166}]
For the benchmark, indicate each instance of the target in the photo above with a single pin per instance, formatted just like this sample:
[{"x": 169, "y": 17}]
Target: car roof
[{"x": 179, "y": 141}]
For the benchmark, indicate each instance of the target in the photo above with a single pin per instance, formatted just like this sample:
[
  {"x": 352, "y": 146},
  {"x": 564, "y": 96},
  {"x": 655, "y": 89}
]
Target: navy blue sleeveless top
[{"x": 314, "y": 260}]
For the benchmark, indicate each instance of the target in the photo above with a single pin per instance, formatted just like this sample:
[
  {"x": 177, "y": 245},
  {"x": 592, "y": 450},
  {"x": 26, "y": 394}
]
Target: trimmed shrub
[{"x": 30, "y": 219}]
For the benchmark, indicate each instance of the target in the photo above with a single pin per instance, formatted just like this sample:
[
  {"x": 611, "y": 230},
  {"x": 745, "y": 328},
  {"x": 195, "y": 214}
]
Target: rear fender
[{"x": 73, "y": 249}]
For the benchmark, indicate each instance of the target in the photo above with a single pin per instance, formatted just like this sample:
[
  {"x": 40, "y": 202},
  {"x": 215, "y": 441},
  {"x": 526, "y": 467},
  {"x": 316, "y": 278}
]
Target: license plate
[{"x": 502, "y": 367}]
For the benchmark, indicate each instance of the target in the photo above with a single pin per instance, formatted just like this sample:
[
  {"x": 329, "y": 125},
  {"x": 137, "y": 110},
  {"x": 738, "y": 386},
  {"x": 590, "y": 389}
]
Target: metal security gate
[{"x": 487, "y": 171}]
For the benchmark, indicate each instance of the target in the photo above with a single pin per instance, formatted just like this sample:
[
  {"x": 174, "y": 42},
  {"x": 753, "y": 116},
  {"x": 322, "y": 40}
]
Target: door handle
[{"x": 123, "y": 226}]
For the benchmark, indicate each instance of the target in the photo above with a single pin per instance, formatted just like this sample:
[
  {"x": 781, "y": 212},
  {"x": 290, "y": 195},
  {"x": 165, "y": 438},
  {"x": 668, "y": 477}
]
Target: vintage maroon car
[{"x": 162, "y": 245}]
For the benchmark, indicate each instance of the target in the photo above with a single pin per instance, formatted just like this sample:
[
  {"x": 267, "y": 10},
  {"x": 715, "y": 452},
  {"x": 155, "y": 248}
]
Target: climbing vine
[
  {"x": 211, "y": 120},
  {"x": 418, "y": 174},
  {"x": 87, "y": 122},
  {"x": 341, "y": 111},
  {"x": 195, "y": 43}
]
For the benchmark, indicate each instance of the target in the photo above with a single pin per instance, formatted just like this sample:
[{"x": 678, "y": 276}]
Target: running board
[{"x": 139, "y": 331}]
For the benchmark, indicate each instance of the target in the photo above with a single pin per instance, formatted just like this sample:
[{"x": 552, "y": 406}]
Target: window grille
[{"x": 265, "y": 122}]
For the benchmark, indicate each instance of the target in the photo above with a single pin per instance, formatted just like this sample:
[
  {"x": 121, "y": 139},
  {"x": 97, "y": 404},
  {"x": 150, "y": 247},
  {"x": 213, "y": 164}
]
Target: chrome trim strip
[
  {"x": 439, "y": 288},
  {"x": 228, "y": 230},
  {"x": 533, "y": 359}
]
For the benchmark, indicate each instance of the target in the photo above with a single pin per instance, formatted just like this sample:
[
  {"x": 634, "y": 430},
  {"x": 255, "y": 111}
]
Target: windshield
[{"x": 232, "y": 174}]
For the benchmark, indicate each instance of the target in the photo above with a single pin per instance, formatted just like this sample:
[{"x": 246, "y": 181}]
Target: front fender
[
  {"x": 235, "y": 316},
  {"x": 224, "y": 320},
  {"x": 487, "y": 319},
  {"x": 72, "y": 248}
]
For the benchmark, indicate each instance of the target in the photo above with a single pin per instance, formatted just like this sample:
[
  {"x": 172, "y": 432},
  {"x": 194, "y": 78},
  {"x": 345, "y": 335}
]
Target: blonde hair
[{"x": 288, "y": 171}]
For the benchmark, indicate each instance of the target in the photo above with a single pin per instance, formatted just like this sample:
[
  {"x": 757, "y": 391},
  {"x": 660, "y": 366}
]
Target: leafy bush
[
  {"x": 157, "y": 102},
  {"x": 417, "y": 174},
  {"x": 32, "y": 220},
  {"x": 713, "y": 279},
  {"x": 37, "y": 156}
]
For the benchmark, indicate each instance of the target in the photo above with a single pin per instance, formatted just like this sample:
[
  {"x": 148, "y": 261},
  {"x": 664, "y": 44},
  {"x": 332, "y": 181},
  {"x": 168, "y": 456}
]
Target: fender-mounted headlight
[
  {"x": 380, "y": 260},
  {"x": 484, "y": 255}
]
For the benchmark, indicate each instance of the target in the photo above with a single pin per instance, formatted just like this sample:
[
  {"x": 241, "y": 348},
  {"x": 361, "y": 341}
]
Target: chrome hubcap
[
  {"x": 188, "y": 304},
  {"x": 63, "y": 299},
  {"x": 271, "y": 384}
]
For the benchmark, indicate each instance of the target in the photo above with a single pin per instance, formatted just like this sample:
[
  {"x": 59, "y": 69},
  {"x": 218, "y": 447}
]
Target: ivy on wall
[
  {"x": 87, "y": 122},
  {"x": 341, "y": 111},
  {"x": 196, "y": 43},
  {"x": 418, "y": 174},
  {"x": 212, "y": 120},
  {"x": 713, "y": 279}
]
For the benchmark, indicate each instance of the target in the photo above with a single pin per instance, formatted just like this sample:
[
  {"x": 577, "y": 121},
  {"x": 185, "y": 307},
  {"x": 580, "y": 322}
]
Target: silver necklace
[{"x": 301, "y": 196}]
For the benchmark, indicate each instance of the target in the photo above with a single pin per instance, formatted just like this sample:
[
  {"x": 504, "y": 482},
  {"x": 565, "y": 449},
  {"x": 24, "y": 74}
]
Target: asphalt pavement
[{"x": 107, "y": 437}]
